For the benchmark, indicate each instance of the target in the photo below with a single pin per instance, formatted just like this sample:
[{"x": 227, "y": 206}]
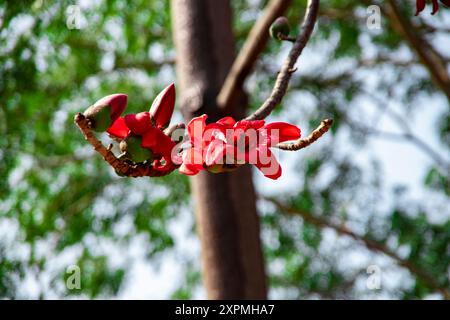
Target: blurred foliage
[{"x": 60, "y": 204}]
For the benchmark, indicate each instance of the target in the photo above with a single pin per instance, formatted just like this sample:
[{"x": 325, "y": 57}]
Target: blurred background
[{"x": 364, "y": 213}]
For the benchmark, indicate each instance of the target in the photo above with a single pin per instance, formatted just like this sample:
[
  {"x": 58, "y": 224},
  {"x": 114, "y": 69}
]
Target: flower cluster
[
  {"x": 420, "y": 5},
  {"x": 226, "y": 144},
  {"x": 219, "y": 146},
  {"x": 141, "y": 135}
]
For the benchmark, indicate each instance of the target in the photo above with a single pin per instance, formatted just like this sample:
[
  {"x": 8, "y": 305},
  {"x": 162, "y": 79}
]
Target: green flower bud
[
  {"x": 100, "y": 117},
  {"x": 280, "y": 27}
]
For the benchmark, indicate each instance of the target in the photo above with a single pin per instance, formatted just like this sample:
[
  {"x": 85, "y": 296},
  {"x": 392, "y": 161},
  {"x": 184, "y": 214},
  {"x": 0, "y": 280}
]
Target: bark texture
[{"x": 227, "y": 220}]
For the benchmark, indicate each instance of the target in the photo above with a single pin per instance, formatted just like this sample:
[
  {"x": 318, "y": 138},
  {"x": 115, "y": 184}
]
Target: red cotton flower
[
  {"x": 145, "y": 128},
  {"x": 420, "y": 5},
  {"x": 226, "y": 144}
]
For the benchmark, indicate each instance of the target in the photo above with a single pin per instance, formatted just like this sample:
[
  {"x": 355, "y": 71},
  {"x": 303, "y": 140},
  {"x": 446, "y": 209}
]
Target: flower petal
[
  {"x": 162, "y": 107},
  {"x": 138, "y": 123},
  {"x": 247, "y": 124},
  {"x": 192, "y": 161},
  {"x": 188, "y": 170},
  {"x": 155, "y": 140},
  {"x": 195, "y": 129},
  {"x": 158, "y": 166},
  {"x": 280, "y": 132},
  {"x": 435, "y": 6},
  {"x": 227, "y": 121},
  {"x": 215, "y": 153},
  {"x": 420, "y": 5},
  {"x": 268, "y": 164},
  {"x": 119, "y": 129}
]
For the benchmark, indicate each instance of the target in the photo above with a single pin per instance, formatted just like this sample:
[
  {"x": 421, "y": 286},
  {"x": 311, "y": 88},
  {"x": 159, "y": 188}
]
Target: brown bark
[{"x": 225, "y": 203}]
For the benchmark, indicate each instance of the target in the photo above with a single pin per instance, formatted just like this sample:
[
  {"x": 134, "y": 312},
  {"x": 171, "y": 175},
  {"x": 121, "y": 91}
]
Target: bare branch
[
  {"x": 252, "y": 48},
  {"x": 171, "y": 129},
  {"x": 283, "y": 78},
  {"x": 124, "y": 167},
  {"x": 324, "y": 126},
  {"x": 367, "y": 242},
  {"x": 407, "y": 134}
]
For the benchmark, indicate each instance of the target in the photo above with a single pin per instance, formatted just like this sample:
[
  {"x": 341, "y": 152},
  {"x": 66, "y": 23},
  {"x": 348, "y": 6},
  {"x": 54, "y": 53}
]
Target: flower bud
[
  {"x": 162, "y": 107},
  {"x": 100, "y": 117},
  {"x": 105, "y": 111},
  {"x": 280, "y": 28},
  {"x": 132, "y": 146}
]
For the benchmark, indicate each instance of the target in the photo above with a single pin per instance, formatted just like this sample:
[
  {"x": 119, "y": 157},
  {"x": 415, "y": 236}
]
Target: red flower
[
  {"x": 148, "y": 127},
  {"x": 420, "y": 5},
  {"x": 226, "y": 144}
]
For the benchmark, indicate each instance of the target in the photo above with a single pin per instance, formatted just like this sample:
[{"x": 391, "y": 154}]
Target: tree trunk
[{"x": 228, "y": 225}]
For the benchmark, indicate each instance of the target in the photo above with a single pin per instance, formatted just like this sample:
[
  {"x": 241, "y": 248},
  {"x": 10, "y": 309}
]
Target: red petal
[
  {"x": 163, "y": 105},
  {"x": 247, "y": 124},
  {"x": 281, "y": 131},
  {"x": 227, "y": 121},
  {"x": 138, "y": 123},
  {"x": 119, "y": 129},
  {"x": 420, "y": 5},
  {"x": 215, "y": 153},
  {"x": 162, "y": 167},
  {"x": 446, "y": 2},
  {"x": 117, "y": 102},
  {"x": 155, "y": 140},
  {"x": 192, "y": 161},
  {"x": 187, "y": 170},
  {"x": 268, "y": 164},
  {"x": 435, "y": 6},
  {"x": 195, "y": 129}
]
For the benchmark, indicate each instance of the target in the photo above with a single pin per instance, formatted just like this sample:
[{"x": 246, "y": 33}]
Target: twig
[
  {"x": 441, "y": 163},
  {"x": 368, "y": 243},
  {"x": 324, "y": 126},
  {"x": 407, "y": 133},
  {"x": 169, "y": 131},
  {"x": 285, "y": 74},
  {"x": 252, "y": 48},
  {"x": 124, "y": 167}
]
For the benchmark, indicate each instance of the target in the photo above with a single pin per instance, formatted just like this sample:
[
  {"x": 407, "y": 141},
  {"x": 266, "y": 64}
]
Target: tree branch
[
  {"x": 432, "y": 60},
  {"x": 367, "y": 242},
  {"x": 301, "y": 143},
  {"x": 252, "y": 48},
  {"x": 407, "y": 134},
  {"x": 124, "y": 167},
  {"x": 287, "y": 69}
]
